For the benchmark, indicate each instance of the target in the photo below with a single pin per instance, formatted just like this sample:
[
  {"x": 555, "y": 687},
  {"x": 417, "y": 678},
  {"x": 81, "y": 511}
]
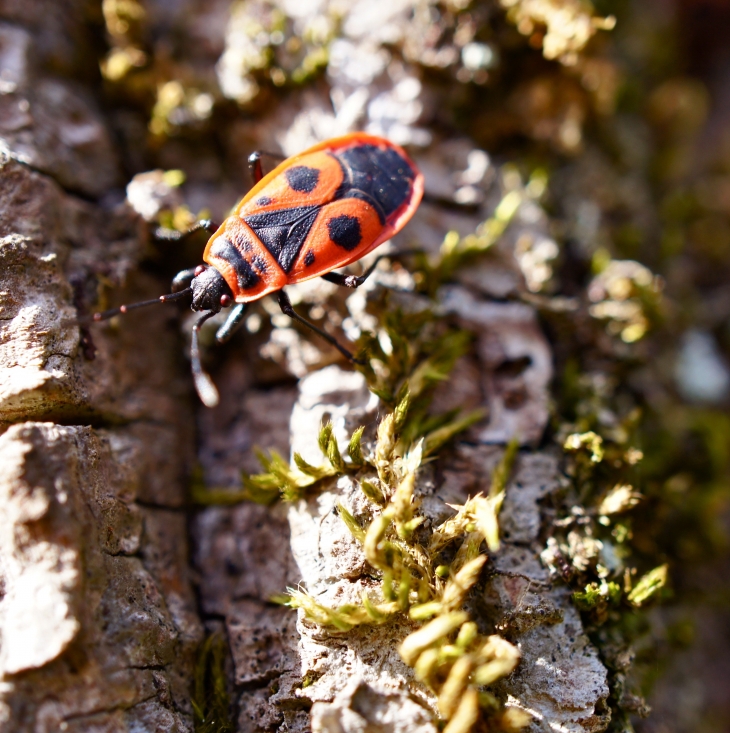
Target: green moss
[
  {"x": 447, "y": 652},
  {"x": 597, "y": 595},
  {"x": 649, "y": 585}
]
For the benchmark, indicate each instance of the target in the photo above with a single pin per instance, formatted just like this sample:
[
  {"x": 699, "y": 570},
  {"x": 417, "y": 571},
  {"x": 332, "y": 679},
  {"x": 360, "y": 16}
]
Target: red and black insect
[{"x": 317, "y": 211}]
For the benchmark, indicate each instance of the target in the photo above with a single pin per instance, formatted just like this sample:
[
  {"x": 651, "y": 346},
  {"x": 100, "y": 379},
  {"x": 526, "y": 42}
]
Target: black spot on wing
[
  {"x": 284, "y": 231},
  {"x": 223, "y": 249},
  {"x": 302, "y": 179},
  {"x": 345, "y": 231},
  {"x": 379, "y": 176},
  {"x": 309, "y": 258},
  {"x": 263, "y": 201}
]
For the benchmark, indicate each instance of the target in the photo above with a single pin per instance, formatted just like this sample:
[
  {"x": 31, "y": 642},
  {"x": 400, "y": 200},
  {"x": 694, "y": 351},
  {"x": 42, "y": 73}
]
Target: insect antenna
[
  {"x": 203, "y": 383},
  {"x": 106, "y": 315}
]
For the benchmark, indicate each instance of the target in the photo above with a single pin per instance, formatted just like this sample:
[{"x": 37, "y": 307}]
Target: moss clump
[{"x": 447, "y": 652}]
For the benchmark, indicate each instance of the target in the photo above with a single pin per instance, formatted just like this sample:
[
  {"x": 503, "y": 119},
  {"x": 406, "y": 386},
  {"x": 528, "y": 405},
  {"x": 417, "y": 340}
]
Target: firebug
[{"x": 317, "y": 211}]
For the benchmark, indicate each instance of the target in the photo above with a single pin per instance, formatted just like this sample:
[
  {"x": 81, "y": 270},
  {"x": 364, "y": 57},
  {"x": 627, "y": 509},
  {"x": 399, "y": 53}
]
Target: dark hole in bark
[{"x": 513, "y": 367}]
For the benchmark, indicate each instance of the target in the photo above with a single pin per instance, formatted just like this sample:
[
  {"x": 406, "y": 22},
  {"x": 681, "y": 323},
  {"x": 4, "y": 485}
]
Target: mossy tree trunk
[{"x": 111, "y": 576}]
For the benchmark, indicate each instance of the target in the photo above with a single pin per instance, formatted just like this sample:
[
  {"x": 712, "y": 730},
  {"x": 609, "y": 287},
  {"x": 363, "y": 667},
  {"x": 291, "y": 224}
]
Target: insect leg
[
  {"x": 288, "y": 309},
  {"x": 352, "y": 281},
  {"x": 232, "y": 324},
  {"x": 203, "y": 383},
  {"x": 254, "y": 163}
]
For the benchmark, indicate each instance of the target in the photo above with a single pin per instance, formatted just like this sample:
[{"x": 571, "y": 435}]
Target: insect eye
[{"x": 226, "y": 300}]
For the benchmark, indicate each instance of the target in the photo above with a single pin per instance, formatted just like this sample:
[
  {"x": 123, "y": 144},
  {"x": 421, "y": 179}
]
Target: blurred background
[{"x": 612, "y": 118}]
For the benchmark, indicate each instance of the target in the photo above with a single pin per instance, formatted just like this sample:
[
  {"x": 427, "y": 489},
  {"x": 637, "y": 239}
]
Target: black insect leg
[
  {"x": 232, "y": 324},
  {"x": 254, "y": 163},
  {"x": 288, "y": 309},
  {"x": 352, "y": 281}
]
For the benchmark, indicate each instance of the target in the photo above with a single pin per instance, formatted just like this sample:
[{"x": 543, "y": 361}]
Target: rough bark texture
[{"x": 98, "y": 619}]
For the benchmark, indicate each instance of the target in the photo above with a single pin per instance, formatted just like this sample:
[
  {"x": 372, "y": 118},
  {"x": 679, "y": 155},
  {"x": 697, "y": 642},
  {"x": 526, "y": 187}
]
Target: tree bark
[{"x": 99, "y": 618}]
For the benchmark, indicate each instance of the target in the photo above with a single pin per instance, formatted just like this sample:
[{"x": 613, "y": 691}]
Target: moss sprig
[
  {"x": 279, "y": 479},
  {"x": 457, "y": 250}
]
